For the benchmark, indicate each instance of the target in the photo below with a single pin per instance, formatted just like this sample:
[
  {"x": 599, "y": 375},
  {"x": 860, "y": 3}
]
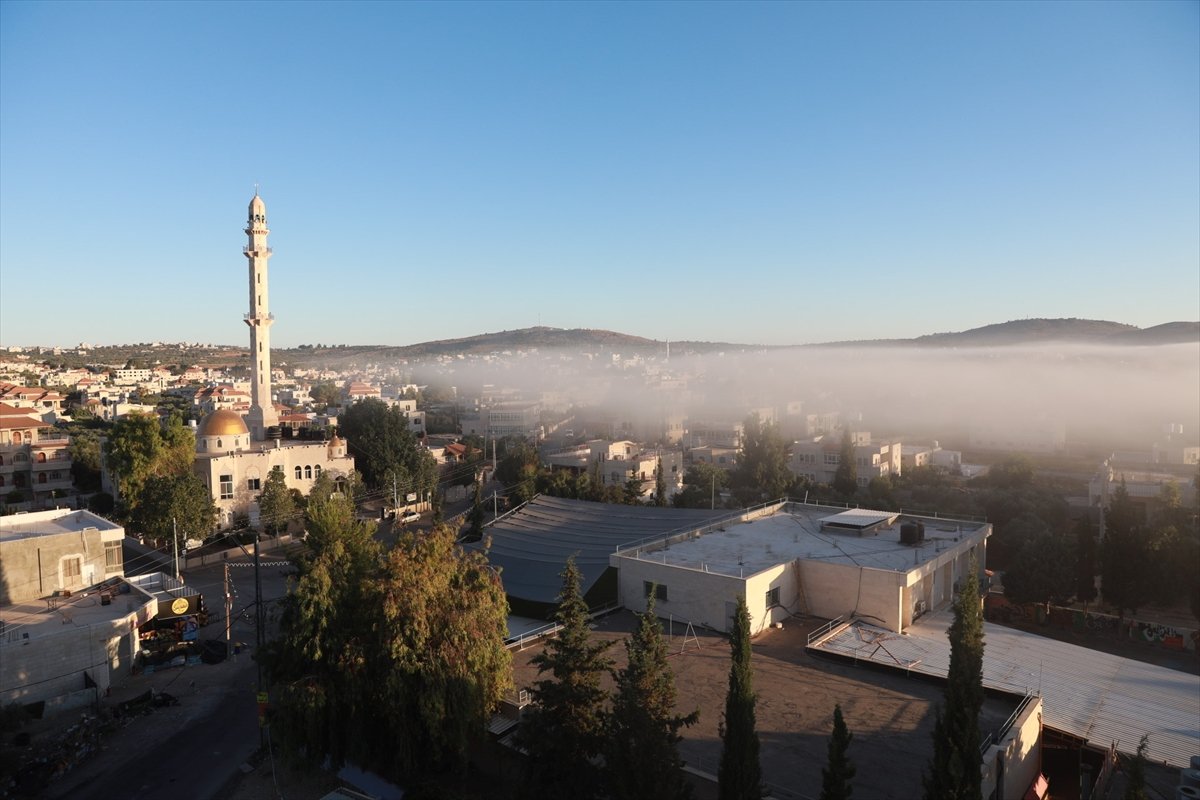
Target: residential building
[
  {"x": 35, "y": 460},
  {"x": 818, "y": 458}
]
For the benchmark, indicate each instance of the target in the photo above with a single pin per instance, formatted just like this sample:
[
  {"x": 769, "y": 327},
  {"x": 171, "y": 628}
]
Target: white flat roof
[
  {"x": 859, "y": 518},
  {"x": 1087, "y": 693},
  {"x": 795, "y": 532},
  {"x": 59, "y": 520}
]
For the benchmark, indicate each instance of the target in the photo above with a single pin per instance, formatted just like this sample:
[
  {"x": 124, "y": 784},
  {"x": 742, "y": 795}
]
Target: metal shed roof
[
  {"x": 1097, "y": 696},
  {"x": 532, "y": 545}
]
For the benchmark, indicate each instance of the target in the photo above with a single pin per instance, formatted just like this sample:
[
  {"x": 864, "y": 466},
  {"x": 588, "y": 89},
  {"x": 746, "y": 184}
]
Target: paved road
[{"x": 193, "y": 750}]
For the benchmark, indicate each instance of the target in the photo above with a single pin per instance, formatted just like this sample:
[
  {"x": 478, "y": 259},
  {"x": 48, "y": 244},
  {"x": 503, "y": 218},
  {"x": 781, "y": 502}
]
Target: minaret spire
[{"x": 262, "y": 409}]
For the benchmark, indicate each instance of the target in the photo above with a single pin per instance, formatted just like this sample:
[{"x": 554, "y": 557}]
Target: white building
[
  {"x": 797, "y": 558},
  {"x": 818, "y": 458}
]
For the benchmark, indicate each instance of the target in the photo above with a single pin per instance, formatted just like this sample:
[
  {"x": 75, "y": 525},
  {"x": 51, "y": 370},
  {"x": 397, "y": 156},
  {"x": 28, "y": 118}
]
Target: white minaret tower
[{"x": 262, "y": 409}]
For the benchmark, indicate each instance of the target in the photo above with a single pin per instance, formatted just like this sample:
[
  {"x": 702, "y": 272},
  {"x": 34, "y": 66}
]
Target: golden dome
[{"x": 223, "y": 423}]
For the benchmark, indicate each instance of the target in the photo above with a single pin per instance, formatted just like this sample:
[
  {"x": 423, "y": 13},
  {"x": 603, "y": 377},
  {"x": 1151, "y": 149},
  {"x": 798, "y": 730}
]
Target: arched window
[
  {"x": 317, "y": 471},
  {"x": 308, "y": 473},
  {"x": 20, "y": 458},
  {"x": 1, "y": 461},
  {"x": 41, "y": 457},
  {"x": 1, "y": 480},
  {"x": 299, "y": 474},
  {"x": 41, "y": 477},
  {"x": 219, "y": 444},
  {"x": 28, "y": 437},
  {"x": 16, "y": 437}
]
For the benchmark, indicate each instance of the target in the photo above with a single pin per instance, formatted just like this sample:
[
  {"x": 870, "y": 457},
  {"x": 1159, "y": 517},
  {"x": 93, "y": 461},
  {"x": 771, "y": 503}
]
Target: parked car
[{"x": 409, "y": 516}]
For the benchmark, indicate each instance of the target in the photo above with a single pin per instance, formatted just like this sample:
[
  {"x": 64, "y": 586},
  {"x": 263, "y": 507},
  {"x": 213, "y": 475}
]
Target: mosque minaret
[{"x": 261, "y": 415}]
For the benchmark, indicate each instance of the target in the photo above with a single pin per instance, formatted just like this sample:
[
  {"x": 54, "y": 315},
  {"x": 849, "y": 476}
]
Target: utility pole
[
  {"x": 713, "y": 501},
  {"x": 495, "y": 505},
  {"x": 175, "y": 545},
  {"x": 259, "y": 633},
  {"x": 395, "y": 496},
  {"x": 228, "y": 607}
]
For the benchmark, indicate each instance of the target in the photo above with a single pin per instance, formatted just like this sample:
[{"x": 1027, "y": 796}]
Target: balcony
[
  {"x": 256, "y": 318},
  {"x": 253, "y": 252}
]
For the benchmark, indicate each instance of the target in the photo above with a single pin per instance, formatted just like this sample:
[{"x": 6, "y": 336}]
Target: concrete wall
[
  {"x": 46, "y": 667},
  {"x": 692, "y": 595},
  {"x": 1018, "y": 756},
  {"x": 835, "y": 590},
  {"x": 34, "y": 566}
]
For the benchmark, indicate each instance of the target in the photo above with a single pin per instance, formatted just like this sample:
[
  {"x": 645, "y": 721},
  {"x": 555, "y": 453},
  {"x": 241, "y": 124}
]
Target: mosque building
[{"x": 234, "y": 455}]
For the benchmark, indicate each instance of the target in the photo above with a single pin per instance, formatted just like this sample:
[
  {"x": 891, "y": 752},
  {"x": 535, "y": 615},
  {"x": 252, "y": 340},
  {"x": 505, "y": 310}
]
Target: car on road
[{"x": 409, "y": 516}]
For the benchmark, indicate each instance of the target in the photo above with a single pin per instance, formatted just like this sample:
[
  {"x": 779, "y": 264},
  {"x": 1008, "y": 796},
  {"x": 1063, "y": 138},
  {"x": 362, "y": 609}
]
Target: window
[
  {"x": 41, "y": 457},
  {"x": 299, "y": 474},
  {"x": 71, "y": 568},
  {"x": 307, "y": 473},
  {"x": 772, "y": 597},
  {"x": 114, "y": 559},
  {"x": 317, "y": 470},
  {"x": 1, "y": 480},
  {"x": 226, "y": 487},
  {"x": 657, "y": 589},
  {"x": 833, "y": 458},
  {"x": 254, "y": 484},
  {"x": 41, "y": 477}
]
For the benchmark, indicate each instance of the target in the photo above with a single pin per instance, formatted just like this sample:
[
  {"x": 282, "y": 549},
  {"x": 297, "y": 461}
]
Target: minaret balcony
[
  {"x": 257, "y": 319},
  {"x": 257, "y": 251}
]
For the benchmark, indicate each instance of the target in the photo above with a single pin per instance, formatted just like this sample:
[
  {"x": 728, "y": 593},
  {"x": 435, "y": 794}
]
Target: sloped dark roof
[{"x": 532, "y": 545}]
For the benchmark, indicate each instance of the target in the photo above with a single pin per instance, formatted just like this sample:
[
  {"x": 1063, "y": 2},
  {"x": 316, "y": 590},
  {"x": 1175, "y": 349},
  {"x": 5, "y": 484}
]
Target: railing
[
  {"x": 253, "y": 317},
  {"x": 255, "y": 250},
  {"x": 1002, "y": 731},
  {"x": 824, "y": 630},
  {"x": 549, "y": 629}
]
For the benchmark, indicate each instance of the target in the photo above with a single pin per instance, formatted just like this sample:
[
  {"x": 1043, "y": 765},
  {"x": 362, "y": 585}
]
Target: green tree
[
  {"x": 325, "y": 394},
  {"x": 85, "y": 459},
  {"x": 954, "y": 772},
  {"x": 642, "y": 754},
  {"x": 382, "y": 444},
  {"x": 276, "y": 506},
  {"x": 1043, "y": 571},
  {"x": 1135, "y": 789},
  {"x": 138, "y": 447},
  {"x": 702, "y": 483},
  {"x": 563, "y": 731},
  {"x": 1125, "y": 577},
  {"x": 169, "y": 502},
  {"x": 660, "y": 486},
  {"x": 391, "y": 662},
  {"x": 131, "y": 453},
  {"x": 837, "y": 775},
  {"x": 1085, "y": 562},
  {"x": 845, "y": 478},
  {"x": 1013, "y": 472},
  {"x": 739, "y": 776},
  {"x": 631, "y": 492},
  {"x": 762, "y": 471}
]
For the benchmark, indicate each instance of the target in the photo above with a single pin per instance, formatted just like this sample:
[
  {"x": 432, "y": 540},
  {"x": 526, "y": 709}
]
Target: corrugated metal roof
[
  {"x": 1097, "y": 696},
  {"x": 532, "y": 545}
]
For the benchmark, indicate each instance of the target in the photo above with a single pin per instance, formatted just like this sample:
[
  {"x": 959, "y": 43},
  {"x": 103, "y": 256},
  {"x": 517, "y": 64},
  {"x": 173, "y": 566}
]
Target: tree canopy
[
  {"x": 276, "y": 505},
  {"x": 138, "y": 447},
  {"x": 394, "y": 660},
  {"x": 385, "y": 450},
  {"x": 845, "y": 478},
  {"x": 179, "y": 503},
  {"x": 762, "y": 471},
  {"x": 838, "y": 773}
]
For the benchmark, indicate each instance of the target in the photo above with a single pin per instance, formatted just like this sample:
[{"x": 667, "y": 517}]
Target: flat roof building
[{"x": 786, "y": 558}]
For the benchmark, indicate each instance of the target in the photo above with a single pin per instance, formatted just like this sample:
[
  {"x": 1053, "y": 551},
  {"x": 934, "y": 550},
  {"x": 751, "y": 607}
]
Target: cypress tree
[
  {"x": 660, "y": 486},
  {"x": 740, "y": 774},
  {"x": 641, "y": 754},
  {"x": 955, "y": 771},
  {"x": 1085, "y": 562},
  {"x": 836, "y": 777},
  {"x": 563, "y": 730},
  {"x": 845, "y": 479}
]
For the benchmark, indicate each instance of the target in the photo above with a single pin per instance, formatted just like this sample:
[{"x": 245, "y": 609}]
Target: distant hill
[
  {"x": 1039, "y": 331},
  {"x": 1004, "y": 334}
]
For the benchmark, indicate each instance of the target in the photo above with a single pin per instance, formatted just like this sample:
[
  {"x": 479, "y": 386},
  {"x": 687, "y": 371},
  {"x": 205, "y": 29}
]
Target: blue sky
[{"x": 765, "y": 173}]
